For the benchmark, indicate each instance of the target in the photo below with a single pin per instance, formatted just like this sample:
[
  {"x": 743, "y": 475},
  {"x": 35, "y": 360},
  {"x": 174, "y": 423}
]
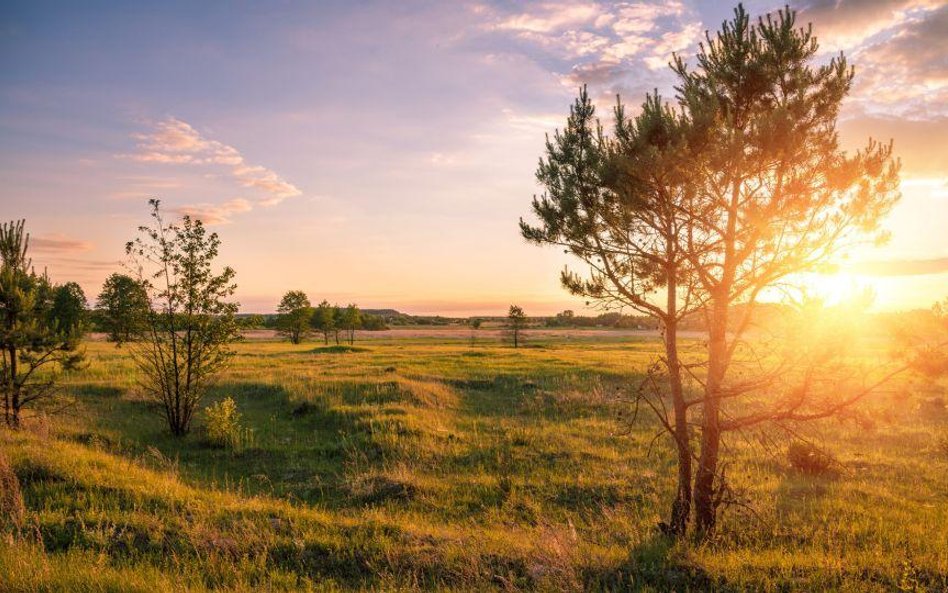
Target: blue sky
[{"x": 382, "y": 152}]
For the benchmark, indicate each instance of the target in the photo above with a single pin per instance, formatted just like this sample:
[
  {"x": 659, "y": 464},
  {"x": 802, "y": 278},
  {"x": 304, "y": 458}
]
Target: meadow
[{"x": 425, "y": 462}]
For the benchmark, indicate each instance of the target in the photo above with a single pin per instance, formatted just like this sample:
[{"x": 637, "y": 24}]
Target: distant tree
[
  {"x": 40, "y": 327},
  {"x": 123, "y": 307},
  {"x": 565, "y": 319},
  {"x": 475, "y": 324},
  {"x": 190, "y": 326},
  {"x": 70, "y": 309},
  {"x": 351, "y": 320},
  {"x": 252, "y": 321},
  {"x": 324, "y": 320},
  {"x": 373, "y": 322},
  {"x": 337, "y": 313},
  {"x": 516, "y": 321},
  {"x": 295, "y": 314}
]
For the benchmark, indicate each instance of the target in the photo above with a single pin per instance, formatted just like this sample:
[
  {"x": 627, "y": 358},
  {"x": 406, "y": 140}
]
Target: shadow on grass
[
  {"x": 561, "y": 396},
  {"x": 297, "y": 448},
  {"x": 801, "y": 493},
  {"x": 95, "y": 390},
  {"x": 657, "y": 564},
  {"x": 339, "y": 349}
]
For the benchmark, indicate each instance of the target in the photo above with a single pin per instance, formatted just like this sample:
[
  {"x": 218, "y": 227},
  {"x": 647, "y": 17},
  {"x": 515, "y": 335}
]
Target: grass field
[{"x": 425, "y": 463}]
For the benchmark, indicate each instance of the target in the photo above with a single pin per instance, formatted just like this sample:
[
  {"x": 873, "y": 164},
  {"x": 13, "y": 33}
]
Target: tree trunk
[
  {"x": 681, "y": 507},
  {"x": 14, "y": 421},
  {"x": 13, "y": 412},
  {"x": 704, "y": 488}
]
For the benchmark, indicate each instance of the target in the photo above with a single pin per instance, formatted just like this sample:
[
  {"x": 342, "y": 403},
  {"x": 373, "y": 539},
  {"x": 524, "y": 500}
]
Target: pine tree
[{"x": 40, "y": 327}]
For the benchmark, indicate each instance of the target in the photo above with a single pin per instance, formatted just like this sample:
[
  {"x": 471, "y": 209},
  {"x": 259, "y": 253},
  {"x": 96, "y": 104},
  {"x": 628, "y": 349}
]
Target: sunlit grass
[{"x": 434, "y": 464}]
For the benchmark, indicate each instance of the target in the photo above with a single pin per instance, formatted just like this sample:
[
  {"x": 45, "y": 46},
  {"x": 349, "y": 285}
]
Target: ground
[{"x": 422, "y": 461}]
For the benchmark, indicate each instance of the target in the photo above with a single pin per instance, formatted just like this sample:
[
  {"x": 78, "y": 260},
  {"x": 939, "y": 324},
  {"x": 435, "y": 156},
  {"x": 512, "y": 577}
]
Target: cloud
[
  {"x": 54, "y": 244},
  {"x": 551, "y": 17},
  {"x": 904, "y": 267},
  {"x": 173, "y": 141},
  {"x": 843, "y": 24},
  {"x": 216, "y": 213},
  {"x": 601, "y": 44},
  {"x": 899, "y": 49},
  {"x": 85, "y": 265},
  {"x": 597, "y": 74},
  {"x": 908, "y": 72},
  {"x": 533, "y": 123},
  {"x": 440, "y": 159},
  {"x": 672, "y": 42},
  {"x": 266, "y": 180}
]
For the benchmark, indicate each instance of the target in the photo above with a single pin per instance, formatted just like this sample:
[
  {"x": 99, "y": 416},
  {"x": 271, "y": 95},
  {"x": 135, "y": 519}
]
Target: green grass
[{"x": 425, "y": 464}]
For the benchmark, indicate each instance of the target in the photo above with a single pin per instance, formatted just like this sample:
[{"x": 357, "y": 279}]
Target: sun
[{"x": 839, "y": 289}]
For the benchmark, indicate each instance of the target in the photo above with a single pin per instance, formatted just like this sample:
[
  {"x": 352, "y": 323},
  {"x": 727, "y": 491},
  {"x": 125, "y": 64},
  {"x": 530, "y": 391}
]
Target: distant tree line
[
  {"x": 297, "y": 319},
  {"x": 568, "y": 318}
]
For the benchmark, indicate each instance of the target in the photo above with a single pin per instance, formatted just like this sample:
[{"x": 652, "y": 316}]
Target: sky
[{"x": 382, "y": 153}]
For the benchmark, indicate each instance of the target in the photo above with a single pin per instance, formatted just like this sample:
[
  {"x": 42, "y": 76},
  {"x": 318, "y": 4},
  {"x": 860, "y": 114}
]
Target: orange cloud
[
  {"x": 59, "y": 244},
  {"x": 216, "y": 213}
]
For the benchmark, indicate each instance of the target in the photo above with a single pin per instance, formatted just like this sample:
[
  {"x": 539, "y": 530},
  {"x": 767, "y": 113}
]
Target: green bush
[{"x": 222, "y": 424}]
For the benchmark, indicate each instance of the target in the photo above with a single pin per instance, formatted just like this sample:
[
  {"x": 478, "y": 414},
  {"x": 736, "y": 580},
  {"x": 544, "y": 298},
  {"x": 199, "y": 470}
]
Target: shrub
[
  {"x": 222, "y": 424},
  {"x": 808, "y": 458}
]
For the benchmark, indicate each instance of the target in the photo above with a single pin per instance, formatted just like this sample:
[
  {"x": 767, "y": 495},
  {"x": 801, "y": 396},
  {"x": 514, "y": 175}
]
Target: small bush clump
[
  {"x": 222, "y": 424},
  {"x": 808, "y": 458}
]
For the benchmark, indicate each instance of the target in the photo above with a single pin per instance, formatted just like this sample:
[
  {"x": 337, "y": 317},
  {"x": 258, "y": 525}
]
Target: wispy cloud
[
  {"x": 550, "y": 17},
  {"x": 173, "y": 141},
  {"x": 216, "y": 213},
  {"x": 59, "y": 244}
]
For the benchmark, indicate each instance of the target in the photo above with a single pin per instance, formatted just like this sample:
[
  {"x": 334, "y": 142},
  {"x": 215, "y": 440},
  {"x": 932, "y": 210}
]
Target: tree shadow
[
  {"x": 656, "y": 564},
  {"x": 294, "y": 448},
  {"x": 800, "y": 491}
]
